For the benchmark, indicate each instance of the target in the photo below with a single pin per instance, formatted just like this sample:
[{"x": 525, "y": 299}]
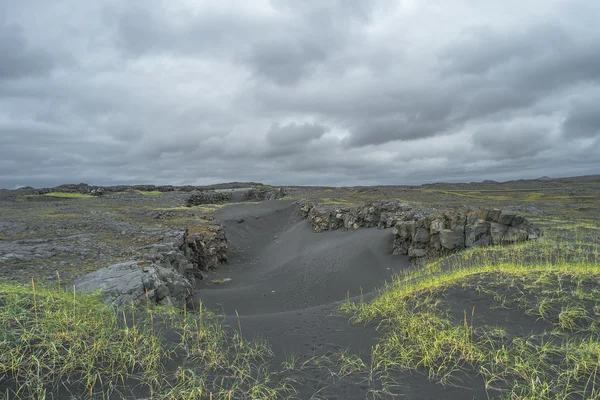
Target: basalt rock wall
[
  {"x": 235, "y": 195},
  {"x": 448, "y": 231},
  {"x": 380, "y": 214}
]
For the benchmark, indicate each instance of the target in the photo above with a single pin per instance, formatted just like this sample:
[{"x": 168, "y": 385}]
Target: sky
[{"x": 287, "y": 92}]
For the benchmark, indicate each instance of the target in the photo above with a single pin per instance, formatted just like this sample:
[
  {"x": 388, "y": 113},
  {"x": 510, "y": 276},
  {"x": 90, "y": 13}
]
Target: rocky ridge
[
  {"x": 425, "y": 232},
  {"x": 444, "y": 232},
  {"x": 133, "y": 284},
  {"x": 219, "y": 196},
  {"x": 381, "y": 214},
  {"x": 169, "y": 271},
  {"x": 209, "y": 197}
]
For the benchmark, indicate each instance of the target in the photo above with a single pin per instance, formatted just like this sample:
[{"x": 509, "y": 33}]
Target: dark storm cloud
[
  {"x": 288, "y": 92},
  {"x": 294, "y": 134}
]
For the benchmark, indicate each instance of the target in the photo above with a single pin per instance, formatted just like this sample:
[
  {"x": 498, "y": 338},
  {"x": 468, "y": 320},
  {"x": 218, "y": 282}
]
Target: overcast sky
[{"x": 332, "y": 92}]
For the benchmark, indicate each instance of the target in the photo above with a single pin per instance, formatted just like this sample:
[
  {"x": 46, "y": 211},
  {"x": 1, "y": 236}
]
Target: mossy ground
[{"x": 65, "y": 195}]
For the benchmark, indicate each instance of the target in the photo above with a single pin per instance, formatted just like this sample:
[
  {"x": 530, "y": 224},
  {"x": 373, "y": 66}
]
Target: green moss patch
[
  {"x": 149, "y": 192},
  {"x": 65, "y": 195}
]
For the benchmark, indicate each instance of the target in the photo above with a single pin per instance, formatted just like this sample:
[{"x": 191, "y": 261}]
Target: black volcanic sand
[{"x": 286, "y": 282}]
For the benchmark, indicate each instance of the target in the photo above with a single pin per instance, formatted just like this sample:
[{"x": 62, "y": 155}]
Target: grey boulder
[{"x": 131, "y": 283}]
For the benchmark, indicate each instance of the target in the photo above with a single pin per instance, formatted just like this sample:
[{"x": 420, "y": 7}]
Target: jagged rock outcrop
[
  {"x": 191, "y": 250},
  {"x": 380, "y": 214},
  {"x": 205, "y": 246},
  {"x": 445, "y": 232},
  {"x": 169, "y": 271},
  {"x": 82, "y": 188},
  {"x": 218, "y": 196},
  {"x": 133, "y": 283},
  {"x": 209, "y": 197},
  {"x": 264, "y": 193}
]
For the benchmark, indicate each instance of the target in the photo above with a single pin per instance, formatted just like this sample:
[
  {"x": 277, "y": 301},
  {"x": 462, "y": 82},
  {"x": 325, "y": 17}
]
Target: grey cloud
[
  {"x": 284, "y": 141},
  {"x": 284, "y": 62},
  {"x": 491, "y": 74},
  {"x": 294, "y": 134},
  {"x": 375, "y": 132},
  {"x": 327, "y": 9},
  {"x": 282, "y": 50},
  {"x": 534, "y": 61},
  {"x": 484, "y": 49},
  {"x": 18, "y": 59},
  {"x": 583, "y": 120},
  {"x": 517, "y": 140},
  {"x": 495, "y": 99},
  {"x": 577, "y": 65},
  {"x": 142, "y": 29}
]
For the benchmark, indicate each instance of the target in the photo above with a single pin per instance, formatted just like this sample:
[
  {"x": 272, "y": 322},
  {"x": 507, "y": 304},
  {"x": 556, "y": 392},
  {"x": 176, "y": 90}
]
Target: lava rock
[{"x": 132, "y": 284}]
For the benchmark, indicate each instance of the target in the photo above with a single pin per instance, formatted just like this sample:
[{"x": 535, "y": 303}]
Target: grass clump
[
  {"x": 421, "y": 333},
  {"x": 66, "y": 195},
  {"x": 51, "y": 338},
  {"x": 58, "y": 342}
]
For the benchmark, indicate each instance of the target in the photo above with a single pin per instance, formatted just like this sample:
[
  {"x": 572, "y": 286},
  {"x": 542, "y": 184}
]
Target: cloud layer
[{"x": 334, "y": 92}]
